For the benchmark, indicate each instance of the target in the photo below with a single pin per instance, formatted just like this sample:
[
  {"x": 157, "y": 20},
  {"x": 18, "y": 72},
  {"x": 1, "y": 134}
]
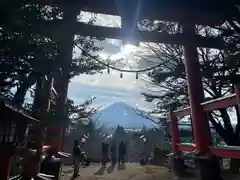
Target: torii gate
[{"x": 186, "y": 13}]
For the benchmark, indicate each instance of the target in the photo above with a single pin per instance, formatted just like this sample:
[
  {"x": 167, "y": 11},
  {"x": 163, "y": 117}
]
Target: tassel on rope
[
  {"x": 121, "y": 75},
  {"x": 136, "y": 75}
]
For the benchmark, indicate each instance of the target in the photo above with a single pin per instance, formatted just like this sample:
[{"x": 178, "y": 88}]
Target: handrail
[
  {"x": 223, "y": 102},
  {"x": 188, "y": 147},
  {"x": 226, "y": 152},
  {"x": 220, "y": 151}
]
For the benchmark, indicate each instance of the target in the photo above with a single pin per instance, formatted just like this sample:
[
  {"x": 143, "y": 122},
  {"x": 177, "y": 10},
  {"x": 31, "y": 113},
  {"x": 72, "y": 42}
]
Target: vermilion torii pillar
[
  {"x": 200, "y": 122},
  {"x": 201, "y": 129}
]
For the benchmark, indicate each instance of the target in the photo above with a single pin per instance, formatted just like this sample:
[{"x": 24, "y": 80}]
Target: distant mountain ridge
[{"x": 124, "y": 115}]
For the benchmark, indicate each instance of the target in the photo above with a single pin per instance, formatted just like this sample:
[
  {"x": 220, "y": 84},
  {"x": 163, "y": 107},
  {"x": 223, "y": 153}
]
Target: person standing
[
  {"x": 114, "y": 153},
  {"x": 121, "y": 152},
  {"x": 77, "y": 157},
  {"x": 105, "y": 146}
]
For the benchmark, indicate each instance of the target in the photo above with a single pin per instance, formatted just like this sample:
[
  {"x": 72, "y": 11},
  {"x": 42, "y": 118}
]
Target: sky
[{"x": 110, "y": 88}]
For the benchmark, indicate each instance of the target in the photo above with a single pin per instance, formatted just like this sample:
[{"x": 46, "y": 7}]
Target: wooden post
[
  {"x": 32, "y": 165},
  {"x": 61, "y": 79},
  {"x": 200, "y": 122},
  {"x": 61, "y": 112},
  {"x": 6, "y": 152},
  {"x": 176, "y": 163},
  {"x": 65, "y": 57},
  {"x": 199, "y": 119},
  {"x": 175, "y": 131}
]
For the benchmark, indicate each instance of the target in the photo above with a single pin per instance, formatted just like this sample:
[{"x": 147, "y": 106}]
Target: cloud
[
  {"x": 110, "y": 46},
  {"x": 110, "y": 88},
  {"x": 104, "y": 96},
  {"x": 109, "y": 93},
  {"x": 111, "y": 81}
]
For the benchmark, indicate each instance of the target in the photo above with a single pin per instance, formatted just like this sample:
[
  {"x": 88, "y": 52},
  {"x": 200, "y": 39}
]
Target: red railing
[
  {"x": 186, "y": 147},
  {"x": 225, "y": 102},
  {"x": 212, "y": 105}
]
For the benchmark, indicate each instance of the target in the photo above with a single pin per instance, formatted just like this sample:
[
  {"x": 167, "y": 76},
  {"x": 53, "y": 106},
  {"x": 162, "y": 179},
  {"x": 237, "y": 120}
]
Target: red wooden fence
[{"x": 225, "y": 151}]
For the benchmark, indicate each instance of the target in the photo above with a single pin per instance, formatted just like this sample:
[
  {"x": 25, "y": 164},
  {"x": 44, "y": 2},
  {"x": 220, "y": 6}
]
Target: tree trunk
[
  {"x": 19, "y": 96},
  {"x": 230, "y": 137},
  {"x": 226, "y": 120}
]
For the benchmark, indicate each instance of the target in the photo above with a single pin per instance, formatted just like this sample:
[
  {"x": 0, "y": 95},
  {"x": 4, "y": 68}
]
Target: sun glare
[
  {"x": 124, "y": 52},
  {"x": 128, "y": 49}
]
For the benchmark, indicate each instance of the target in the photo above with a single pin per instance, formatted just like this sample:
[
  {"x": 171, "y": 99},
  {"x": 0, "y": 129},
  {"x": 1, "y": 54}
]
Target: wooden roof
[
  {"x": 207, "y": 12},
  {"x": 9, "y": 110}
]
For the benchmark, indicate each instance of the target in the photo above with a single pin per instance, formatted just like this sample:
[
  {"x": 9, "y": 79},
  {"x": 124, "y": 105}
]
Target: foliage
[
  {"x": 22, "y": 46},
  {"x": 81, "y": 125},
  {"x": 27, "y": 46},
  {"x": 80, "y": 119},
  {"x": 170, "y": 76},
  {"x": 81, "y": 113}
]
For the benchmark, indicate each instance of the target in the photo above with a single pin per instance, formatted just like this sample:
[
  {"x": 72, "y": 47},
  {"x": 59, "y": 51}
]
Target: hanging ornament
[
  {"x": 108, "y": 70},
  {"x": 121, "y": 75},
  {"x": 136, "y": 75}
]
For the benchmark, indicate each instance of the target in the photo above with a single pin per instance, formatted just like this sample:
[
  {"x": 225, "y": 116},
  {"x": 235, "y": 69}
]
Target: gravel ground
[{"x": 129, "y": 172}]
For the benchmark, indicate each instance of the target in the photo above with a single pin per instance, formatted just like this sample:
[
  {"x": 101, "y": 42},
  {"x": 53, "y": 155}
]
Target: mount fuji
[{"x": 124, "y": 115}]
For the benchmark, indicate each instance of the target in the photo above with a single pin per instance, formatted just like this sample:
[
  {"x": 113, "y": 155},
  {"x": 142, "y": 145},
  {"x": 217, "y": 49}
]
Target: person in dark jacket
[
  {"x": 77, "y": 157},
  {"x": 105, "y": 147},
  {"x": 121, "y": 152},
  {"x": 114, "y": 153}
]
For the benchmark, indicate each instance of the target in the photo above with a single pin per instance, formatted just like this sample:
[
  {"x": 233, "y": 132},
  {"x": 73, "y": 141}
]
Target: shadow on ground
[
  {"x": 111, "y": 168},
  {"x": 121, "y": 166},
  {"x": 129, "y": 171},
  {"x": 100, "y": 171},
  {"x": 72, "y": 178}
]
